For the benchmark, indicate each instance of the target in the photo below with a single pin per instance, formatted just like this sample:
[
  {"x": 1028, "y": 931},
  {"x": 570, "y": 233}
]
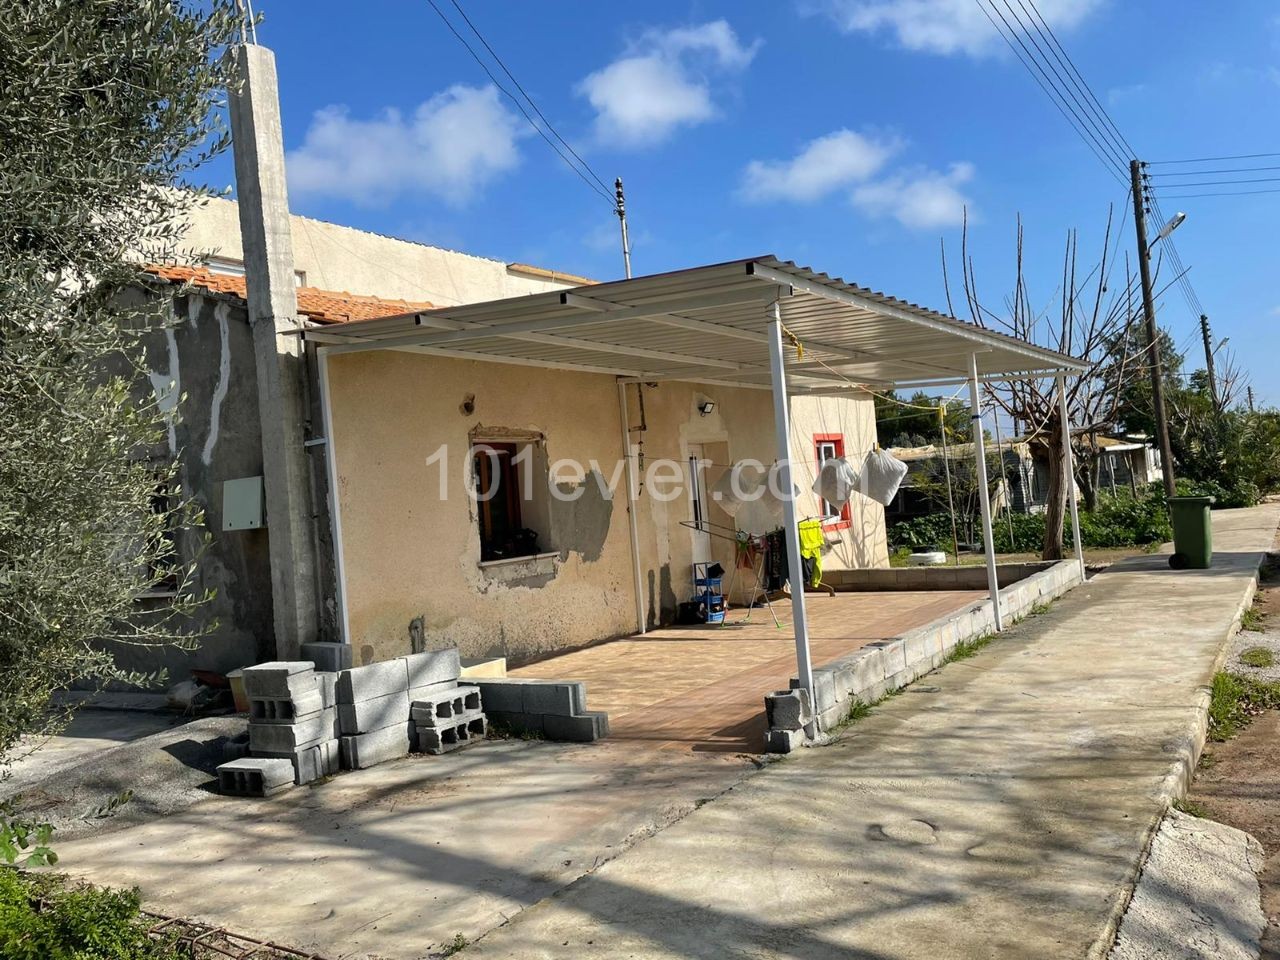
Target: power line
[
  {"x": 1204, "y": 173},
  {"x": 524, "y": 93},
  {"x": 1220, "y": 183},
  {"x": 1241, "y": 156},
  {"x": 521, "y": 107},
  {"x": 1221, "y": 193}
]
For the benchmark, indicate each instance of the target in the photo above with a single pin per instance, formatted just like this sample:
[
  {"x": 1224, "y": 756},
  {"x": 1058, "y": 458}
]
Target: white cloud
[
  {"x": 451, "y": 146},
  {"x": 919, "y": 199},
  {"x": 942, "y": 26},
  {"x": 826, "y": 164},
  {"x": 663, "y": 82}
]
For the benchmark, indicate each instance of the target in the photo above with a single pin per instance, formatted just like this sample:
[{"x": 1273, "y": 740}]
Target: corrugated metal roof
[{"x": 711, "y": 323}]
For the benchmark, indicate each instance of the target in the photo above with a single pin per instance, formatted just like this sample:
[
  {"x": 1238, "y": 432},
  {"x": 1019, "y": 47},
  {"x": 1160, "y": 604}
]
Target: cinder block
[
  {"x": 430, "y": 690},
  {"x": 328, "y": 684},
  {"x": 279, "y": 679},
  {"x": 368, "y": 749},
  {"x": 328, "y": 657},
  {"x": 372, "y": 680},
  {"x": 466, "y": 731},
  {"x": 369, "y": 715},
  {"x": 483, "y": 667},
  {"x": 832, "y": 717},
  {"x": 287, "y": 737},
  {"x": 868, "y": 669},
  {"x": 566, "y": 699},
  {"x": 589, "y": 726},
  {"x": 895, "y": 657},
  {"x": 433, "y": 666},
  {"x": 503, "y": 696},
  {"x": 917, "y": 648},
  {"x": 255, "y": 777},
  {"x": 519, "y": 724},
  {"x": 824, "y": 688},
  {"x": 783, "y": 741},
  {"x": 444, "y": 708},
  {"x": 290, "y": 710},
  {"x": 787, "y": 709},
  {"x": 312, "y": 761}
]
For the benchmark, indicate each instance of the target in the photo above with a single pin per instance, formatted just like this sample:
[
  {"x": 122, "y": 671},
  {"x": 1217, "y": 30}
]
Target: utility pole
[
  {"x": 1250, "y": 395},
  {"x": 620, "y": 208},
  {"x": 1208, "y": 361},
  {"x": 1153, "y": 337}
]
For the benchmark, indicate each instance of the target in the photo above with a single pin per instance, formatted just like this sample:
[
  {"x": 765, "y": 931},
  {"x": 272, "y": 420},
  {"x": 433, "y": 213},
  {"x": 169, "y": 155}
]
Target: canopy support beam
[
  {"x": 984, "y": 501},
  {"x": 782, "y": 430},
  {"x": 633, "y": 504},
  {"x": 1069, "y": 464}
]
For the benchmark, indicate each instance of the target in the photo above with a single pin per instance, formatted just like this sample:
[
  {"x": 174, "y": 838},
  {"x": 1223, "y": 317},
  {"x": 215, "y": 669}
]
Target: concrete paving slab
[
  {"x": 1003, "y": 815},
  {"x": 1198, "y": 898}
]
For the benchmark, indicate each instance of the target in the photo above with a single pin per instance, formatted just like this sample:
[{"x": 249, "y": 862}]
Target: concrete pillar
[{"x": 273, "y": 315}]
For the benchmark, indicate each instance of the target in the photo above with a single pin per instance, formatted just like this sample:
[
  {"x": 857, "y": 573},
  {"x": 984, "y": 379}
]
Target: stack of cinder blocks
[
  {"x": 292, "y": 729},
  {"x": 376, "y": 719},
  {"x": 553, "y": 709}
]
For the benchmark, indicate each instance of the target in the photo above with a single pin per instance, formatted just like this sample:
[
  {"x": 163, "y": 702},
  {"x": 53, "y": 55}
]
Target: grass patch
[
  {"x": 456, "y": 945},
  {"x": 46, "y": 916},
  {"x": 968, "y": 648},
  {"x": 1257, "y": 657},
  {"x": 1192, "y": 809},
  {"x": 1253, "y": 619},
  {"x": 1235, "y": 701}
]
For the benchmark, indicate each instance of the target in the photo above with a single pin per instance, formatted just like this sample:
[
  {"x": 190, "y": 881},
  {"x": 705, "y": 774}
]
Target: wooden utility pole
[
  {"x": 1153, "y": 337},
  {"x": 1208, "y": 361},
  {"x": 1250, "y": 395}
]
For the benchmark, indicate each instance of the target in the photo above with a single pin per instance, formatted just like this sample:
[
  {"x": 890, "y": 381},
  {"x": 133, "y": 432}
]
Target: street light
[{"x": 1174, "y": 223}]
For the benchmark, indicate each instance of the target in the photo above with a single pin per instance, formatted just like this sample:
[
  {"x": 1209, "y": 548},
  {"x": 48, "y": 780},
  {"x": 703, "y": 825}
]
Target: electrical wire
[
  {"x": 1201, "y": 173},
  {"x": 524, "y": 93},
  {"x": 1223, "y": 193},
  {"x": 521, "y": 107},
  {"x": 1242, "y": 156}
]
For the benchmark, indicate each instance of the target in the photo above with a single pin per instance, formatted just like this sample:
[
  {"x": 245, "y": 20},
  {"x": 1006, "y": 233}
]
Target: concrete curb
[{"x": 1181, "y": 772}]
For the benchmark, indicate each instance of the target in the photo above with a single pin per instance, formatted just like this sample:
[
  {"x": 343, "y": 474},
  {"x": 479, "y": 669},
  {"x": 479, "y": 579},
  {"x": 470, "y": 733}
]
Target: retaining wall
[{"x": 868, "y": 674}]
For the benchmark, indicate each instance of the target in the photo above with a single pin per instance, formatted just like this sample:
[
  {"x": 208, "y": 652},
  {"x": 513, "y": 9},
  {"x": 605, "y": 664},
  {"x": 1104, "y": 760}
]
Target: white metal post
[
  {"x": 980, "y": 451},
  {"x": 1069, "y": 456},
  {"x": 632, "y": 505},
  {"x": 782, "y": 429}
]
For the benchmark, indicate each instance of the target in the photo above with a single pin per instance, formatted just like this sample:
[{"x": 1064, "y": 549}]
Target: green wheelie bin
[{"x": 1192, "y": 533}]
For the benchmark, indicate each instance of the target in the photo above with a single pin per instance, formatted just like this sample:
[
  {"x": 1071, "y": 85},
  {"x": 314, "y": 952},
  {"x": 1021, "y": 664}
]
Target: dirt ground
[{"x": 1238, "y": 782}]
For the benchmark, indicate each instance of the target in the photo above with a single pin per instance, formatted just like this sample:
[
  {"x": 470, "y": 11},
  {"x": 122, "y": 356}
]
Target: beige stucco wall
[
  {"x": 334, "y": 257},
  {"x": 407, "y": 553}
]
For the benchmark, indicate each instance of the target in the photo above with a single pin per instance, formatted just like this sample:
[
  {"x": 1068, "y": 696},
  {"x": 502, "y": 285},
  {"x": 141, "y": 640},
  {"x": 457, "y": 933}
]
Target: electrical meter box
[{"x": 242, "y": 504}]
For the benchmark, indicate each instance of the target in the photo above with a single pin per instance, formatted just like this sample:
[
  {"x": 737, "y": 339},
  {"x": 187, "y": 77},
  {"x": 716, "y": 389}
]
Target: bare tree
[{"x": 1088, "y": 317}]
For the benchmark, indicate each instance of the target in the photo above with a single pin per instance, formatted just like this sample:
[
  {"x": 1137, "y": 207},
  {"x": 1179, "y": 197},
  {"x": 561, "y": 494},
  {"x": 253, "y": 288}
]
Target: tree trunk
[
  {"x": 1087, "y": 476},
  {"x": 1056, "y": 502}
]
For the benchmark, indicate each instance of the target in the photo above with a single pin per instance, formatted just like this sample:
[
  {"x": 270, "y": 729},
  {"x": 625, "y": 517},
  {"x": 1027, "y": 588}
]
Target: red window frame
[{"x": 836, "y": 440}]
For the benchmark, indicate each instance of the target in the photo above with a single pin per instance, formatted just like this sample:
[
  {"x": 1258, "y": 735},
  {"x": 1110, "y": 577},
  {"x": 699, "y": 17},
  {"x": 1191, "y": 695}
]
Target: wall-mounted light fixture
[{"x": 706, "y": 407}]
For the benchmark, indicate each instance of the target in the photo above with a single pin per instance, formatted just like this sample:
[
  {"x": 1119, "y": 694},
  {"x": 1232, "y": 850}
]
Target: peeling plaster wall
[{"x": 409, "y": 554}]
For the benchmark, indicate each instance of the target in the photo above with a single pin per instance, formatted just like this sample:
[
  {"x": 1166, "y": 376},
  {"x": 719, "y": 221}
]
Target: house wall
[
  {"x": 409, "y": 554},
  {"x": 201, "y": 363},
  {"x": 334, "y": 257}
]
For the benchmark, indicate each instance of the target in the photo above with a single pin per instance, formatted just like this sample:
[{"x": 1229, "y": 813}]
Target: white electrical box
[{"x": 242, "y": 504}]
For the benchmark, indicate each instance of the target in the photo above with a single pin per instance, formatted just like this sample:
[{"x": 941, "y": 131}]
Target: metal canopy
[{"x": 711, "y": 325}]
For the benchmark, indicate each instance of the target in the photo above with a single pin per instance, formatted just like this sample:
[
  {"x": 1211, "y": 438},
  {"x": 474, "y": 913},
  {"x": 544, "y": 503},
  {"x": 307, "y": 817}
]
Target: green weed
[{"x": 1257, "y": 657}]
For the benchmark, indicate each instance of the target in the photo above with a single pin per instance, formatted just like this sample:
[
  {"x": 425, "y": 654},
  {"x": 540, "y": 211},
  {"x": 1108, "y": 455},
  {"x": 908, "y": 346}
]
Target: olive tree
[{"x": 106, "y": 106}]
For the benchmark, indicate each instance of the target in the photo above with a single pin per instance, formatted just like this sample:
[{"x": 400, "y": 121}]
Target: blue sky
[{"x": 845, "y": 134}]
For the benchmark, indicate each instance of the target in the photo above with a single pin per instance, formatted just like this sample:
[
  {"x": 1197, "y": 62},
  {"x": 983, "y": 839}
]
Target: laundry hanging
[
  {"x": 811, "y": 542},
  {"x": 739, "y": 485},
  {"x": 882, "y": 476},
  {"x": 836, "y": 482}
]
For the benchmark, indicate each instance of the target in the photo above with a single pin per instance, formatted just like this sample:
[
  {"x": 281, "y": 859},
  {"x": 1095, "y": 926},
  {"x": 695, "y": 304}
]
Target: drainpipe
[
  {"x": 277, "y": 347},
  {"x": 632, "y": 505}
]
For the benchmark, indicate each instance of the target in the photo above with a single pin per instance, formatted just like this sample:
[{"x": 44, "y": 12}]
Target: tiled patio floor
[{"x": 702, "y": 688}]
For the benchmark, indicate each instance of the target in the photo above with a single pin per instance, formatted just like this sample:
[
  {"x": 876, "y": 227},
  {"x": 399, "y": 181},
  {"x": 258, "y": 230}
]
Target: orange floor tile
[{"x": 702, "y": 688}]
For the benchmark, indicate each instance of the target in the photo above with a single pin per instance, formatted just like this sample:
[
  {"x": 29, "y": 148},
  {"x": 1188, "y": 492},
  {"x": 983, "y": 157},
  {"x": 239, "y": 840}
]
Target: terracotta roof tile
[{"x": 322, "y": 306}]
